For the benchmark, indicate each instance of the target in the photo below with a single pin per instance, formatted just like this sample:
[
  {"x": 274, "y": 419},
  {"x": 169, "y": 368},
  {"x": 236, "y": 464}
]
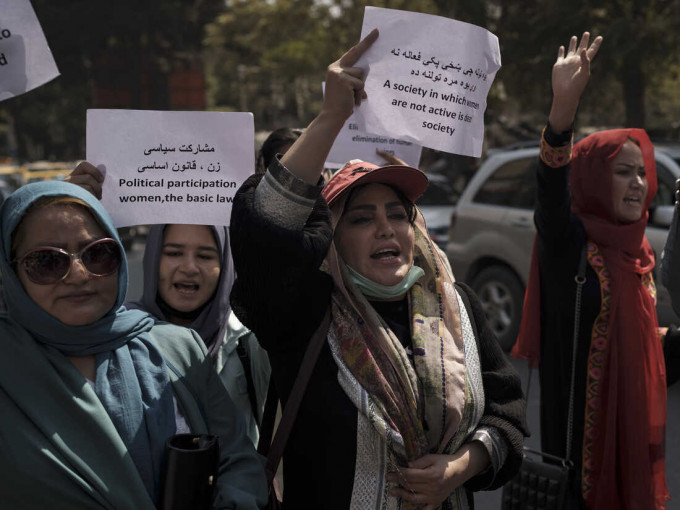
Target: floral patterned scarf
[{"x": 416, "y": 408}]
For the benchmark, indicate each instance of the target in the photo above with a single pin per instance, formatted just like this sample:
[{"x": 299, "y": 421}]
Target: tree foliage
[
  {"x": 269, "y": 57},
  {"x": 49, "y": 122},
  {"x": 638, "y": 50}
]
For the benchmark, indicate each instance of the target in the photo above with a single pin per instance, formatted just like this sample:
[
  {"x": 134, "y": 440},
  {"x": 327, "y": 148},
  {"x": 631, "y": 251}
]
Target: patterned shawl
[{"x": 404, "y": 397}]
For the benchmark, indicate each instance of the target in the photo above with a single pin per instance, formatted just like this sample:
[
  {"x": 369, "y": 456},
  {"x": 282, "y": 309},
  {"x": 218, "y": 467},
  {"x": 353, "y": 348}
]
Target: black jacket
[{"x": 281, "y": 295}]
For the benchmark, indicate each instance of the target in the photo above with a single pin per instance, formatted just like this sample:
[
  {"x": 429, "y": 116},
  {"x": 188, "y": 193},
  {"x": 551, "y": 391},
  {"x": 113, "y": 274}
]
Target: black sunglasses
[{"x": 46, "y": 265}]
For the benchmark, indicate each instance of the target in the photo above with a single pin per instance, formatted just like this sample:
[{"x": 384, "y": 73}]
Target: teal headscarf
[
  {"x": 112, "y": 330},
  {"x": 131, "y": 378}
]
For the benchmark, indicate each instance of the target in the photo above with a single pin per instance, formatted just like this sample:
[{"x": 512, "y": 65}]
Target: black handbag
[
  {"x": 541, "y": 485},
  {"x": 538, "y": 485},
  {"x": 190, "y": 472}
]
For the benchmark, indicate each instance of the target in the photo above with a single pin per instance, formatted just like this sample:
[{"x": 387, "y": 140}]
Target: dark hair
[
  {"x": 405, "y": 201},
  {"x": 276, "y": 141}
]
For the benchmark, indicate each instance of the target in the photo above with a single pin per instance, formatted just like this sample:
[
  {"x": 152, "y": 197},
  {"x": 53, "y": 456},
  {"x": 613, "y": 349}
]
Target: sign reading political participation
[
  {"x": 26, "y": 61},
  {"x": 170, "y": 167},
  {"x": 428, "y": 79},
  {"x": 354, "y": 144}
]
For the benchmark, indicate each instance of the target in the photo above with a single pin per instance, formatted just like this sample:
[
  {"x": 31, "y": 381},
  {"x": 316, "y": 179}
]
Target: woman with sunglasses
[
  {"x": 89, "y": 391},
  {"x": 409, "y": 405},
  {"x": 188, "y": 275}
]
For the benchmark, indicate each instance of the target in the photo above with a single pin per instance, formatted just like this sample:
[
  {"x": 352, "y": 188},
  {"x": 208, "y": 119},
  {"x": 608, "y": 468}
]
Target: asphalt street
[{"x": 492, "y": 500}]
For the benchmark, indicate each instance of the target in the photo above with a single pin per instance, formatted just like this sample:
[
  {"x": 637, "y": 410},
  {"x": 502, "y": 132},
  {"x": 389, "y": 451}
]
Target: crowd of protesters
[{"x": 411, "y": 402}]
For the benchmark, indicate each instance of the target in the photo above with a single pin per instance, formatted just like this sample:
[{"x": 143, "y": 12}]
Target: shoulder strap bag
[
  {"x": 244, "y": 357},
  {"x": 274, "y": 452},
  {"x": 542, "y": 485}
]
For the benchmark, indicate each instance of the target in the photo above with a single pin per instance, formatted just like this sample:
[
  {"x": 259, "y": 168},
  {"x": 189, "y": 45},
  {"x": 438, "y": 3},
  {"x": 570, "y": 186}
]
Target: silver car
[
  {"x": 492, "y": 234},
  {"x": 437, "y": 204}
]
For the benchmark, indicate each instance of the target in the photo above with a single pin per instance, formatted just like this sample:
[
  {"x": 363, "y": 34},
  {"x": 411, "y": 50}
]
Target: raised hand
[
  {"x": 344, "y": 89},
  {"x": 345, "y": 83},
  {"x": 570, "y": 75}
]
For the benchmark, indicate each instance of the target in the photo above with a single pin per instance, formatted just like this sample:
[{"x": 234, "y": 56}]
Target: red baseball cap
[{"x": 410, "y": 181}]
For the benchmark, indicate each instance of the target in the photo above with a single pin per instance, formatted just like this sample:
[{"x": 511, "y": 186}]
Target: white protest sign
[
  {"x": 170, "y": 167},
  {"x": 26, "y": 61},
  {"x": 354, "y": 144},
  {"x": 428, "y": 78}
]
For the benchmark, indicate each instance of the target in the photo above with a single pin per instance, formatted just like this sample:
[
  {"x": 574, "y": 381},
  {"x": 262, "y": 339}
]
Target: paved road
[
  {"x": 135, "y": 272},
  {"x": 491, "y": 500}
]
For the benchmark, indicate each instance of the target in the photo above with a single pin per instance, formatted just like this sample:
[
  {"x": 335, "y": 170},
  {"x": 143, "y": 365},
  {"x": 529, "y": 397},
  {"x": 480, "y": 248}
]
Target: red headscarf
[{"x": 629, "y": 424}]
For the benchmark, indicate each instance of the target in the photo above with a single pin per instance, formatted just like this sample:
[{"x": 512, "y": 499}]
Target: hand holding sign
[
  {"x": 391, "y": 158},
  {"x": 341, "y": 78},
  {"x": 344, "y": 88},
  {"x": 354, "y": 144},
  {"x": 88, "y": 177}
]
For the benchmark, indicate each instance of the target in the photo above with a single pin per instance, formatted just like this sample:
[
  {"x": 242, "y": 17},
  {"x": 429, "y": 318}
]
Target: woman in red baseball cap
[{"x": 409, "y": 403}]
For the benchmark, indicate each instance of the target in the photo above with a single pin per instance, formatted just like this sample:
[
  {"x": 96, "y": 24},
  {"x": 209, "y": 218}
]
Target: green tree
[
  {"x": 270, "y": 57},
  {"x": 49, "y": 122},
  {"x": 639, "y": 48}
]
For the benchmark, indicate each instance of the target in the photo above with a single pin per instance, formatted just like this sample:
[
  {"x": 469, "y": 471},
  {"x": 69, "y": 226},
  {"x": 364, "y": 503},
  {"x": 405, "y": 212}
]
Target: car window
[
  {"x": 512, "y": 185},
  {"x": 440, "y": 191},
  {"x": 666, "y": 181}
]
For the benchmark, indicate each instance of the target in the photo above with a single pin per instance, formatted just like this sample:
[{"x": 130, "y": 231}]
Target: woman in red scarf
[{"x": 594, "y": 200}]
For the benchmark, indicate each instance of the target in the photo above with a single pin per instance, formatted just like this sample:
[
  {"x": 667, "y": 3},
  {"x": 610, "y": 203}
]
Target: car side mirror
[{"x": 662, "y": 216}]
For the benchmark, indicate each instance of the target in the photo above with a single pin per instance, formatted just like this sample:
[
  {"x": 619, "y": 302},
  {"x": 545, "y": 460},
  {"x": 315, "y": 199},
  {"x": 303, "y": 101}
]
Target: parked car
[
  {"x": 7, "y": 186},
  {"x": 437, "y": 204},
  {"x": 4, "y": 192},
  {"x": 128, "y": 235},
  {"x": 669, "y": 147},
  {"x": 492, "y": 232}
]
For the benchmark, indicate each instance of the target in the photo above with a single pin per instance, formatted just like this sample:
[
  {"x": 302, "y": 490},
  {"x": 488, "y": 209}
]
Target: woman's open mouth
[
  {"x": 386, "y": 253},
  {"x": 187, "y": 288}
]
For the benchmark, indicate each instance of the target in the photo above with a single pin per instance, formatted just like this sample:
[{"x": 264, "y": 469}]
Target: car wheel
[{"x": 502, "y": 295}]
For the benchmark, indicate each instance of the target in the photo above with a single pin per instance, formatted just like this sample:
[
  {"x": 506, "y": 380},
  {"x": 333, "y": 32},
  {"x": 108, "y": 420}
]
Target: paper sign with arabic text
[
  {"x": 428, "y": 78},
  {"x": 170, "y": 167}
]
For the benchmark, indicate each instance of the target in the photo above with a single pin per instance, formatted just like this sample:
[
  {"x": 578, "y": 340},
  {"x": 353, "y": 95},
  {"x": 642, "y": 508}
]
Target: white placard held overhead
[
  {"x": 170, "y": 167},
  {"x": 26, "y": 61},
  {"x": 354, "y": 144},
  {"x": 428, "y": 79}
]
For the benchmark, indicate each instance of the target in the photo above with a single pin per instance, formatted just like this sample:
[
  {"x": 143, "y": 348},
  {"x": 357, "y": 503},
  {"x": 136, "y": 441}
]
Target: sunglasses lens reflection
[
  {"x": 102, "y": 258},
  {"x": 49, "y": 266},
  {"x": 46, "y": 266}
]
